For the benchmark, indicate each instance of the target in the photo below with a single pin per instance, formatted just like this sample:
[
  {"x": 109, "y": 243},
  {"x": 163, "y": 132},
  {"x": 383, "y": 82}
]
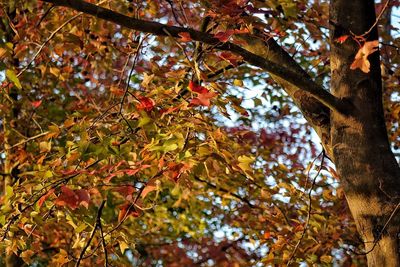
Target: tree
[{"x": 115, "y": 151}]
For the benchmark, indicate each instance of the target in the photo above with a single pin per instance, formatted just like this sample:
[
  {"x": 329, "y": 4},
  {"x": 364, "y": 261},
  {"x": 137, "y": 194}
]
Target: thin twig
[
  {"x": 96, "y": 225},
  {"x": 380, "y": 233},
  {"x": 44, "y": 15},
  {"x": 309, "y": 207},
  {"x": 51, "y": 36},
  {"x": 127, "y": 83},
  {"x": 46, "y": 42},
  {"x": 103, "y": 242},
  {"x": 377, "y": 18},
  {"x": 26, "y": 141},
  {"x": 174, "y": 13}
]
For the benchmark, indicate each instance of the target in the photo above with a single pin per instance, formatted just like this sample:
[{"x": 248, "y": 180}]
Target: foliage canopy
[{"x": 130, "y": 148}]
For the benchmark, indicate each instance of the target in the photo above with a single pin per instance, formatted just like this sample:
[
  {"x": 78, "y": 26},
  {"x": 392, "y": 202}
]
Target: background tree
[{"x": 118, "y": 151}]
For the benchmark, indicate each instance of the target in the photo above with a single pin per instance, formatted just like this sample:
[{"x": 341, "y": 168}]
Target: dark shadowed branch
[{"x": 303, "y": 83}]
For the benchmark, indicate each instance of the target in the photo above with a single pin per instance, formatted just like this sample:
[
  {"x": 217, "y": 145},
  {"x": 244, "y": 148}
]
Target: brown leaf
[{"x": 126, "y": 210}]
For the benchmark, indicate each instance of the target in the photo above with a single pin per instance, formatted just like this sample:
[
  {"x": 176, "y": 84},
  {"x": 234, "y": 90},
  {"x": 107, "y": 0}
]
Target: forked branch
[{"x": 303, "y": 83}]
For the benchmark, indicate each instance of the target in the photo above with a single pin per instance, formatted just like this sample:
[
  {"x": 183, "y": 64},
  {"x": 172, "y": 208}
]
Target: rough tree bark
[
  {"x": 349, "y": 121},
  {"x": 369, "y": 172}
]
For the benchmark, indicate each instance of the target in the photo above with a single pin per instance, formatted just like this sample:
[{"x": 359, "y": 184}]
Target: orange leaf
[
  {"x": 185, "y": 37},
  {"x": 361, "y": 59},
  {"x": 342, "y": 39},
  {"x": 44, "y": 197},
  {"x": 150, "y": 187},
  {"x": 267, "y": 235}
]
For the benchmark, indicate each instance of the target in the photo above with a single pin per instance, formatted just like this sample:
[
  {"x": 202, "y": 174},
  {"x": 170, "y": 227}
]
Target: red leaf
[
  {"x": 202, "y": 99},
  {"x": 342, "y": 39},
  {"x": 73, "y": 198},
  {"x": 197, "y": 88},
  {"x": 67, "y": 198},
  {"x": 83, "y": 197},
  {"x": 145, "y": 103},
  {"x": 126, "y": 191},
  {"x": 224, "y": 36},
  {"x": 37, "y": 103},
  {"x": 185, "y": 37}
]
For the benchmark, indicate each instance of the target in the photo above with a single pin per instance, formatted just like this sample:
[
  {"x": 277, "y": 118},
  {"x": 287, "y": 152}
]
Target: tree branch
[
  {"x": 303, "y": 83},
  {"x": 97, "y": 224}
]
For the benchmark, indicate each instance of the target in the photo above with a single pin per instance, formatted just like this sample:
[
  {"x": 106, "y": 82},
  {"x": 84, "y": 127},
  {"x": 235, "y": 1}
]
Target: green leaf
[{"x": 12, "y": 77}]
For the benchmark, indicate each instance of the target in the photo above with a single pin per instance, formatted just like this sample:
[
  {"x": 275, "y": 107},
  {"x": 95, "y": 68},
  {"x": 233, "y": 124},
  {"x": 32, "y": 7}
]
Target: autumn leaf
[
  {"x": 204, "y": 95},
  {"x": 36, "y": 104},
  {"x": 185, "y": 37},
  {"x": 10, "y": 74},
  {"x": 73, "y": 198},
  {"x": 361, "y": 60},
  {"x": 342, "y": 39},
  {"x": 245, "y": 162},
  {"x": 197, "y": 88},
  {"x": 224, "y": 36},
  {"x": 126, "y": 191},
  {"x": 146, "y": 103},
  {"x": 150, "y": 187},
  {"x": 126, "y": 210},
  {"x": 202, "y": 99},
  {"x": 230, "y": 57},
  {"x": 83, "y": 197},
  {"x": 61, "y": 258},
  {"x": 44, "y": 197}
]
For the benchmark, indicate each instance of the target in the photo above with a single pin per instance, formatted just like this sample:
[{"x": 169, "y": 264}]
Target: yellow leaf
[
  {"x": 45, "y": 146},
  {"x": 26, "y": 255},
  {"x": 244, "y": 163},
  {"x": 80, "y": 228},
  {"x": 123, "y": 246},
  {"x": 326, "y": 259},
  {"x": 55, "y": 71},
  {"x": 13, "y": 77},
  {"x": 54, "y": 131},
  {"x": 237, "y": 82},
  {"x": 60, "y": 258}
]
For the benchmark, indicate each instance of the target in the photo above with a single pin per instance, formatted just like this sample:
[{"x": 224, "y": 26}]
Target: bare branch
[
  {"x": 304, "y": 83},
  {"x": 309, "y": 206}
]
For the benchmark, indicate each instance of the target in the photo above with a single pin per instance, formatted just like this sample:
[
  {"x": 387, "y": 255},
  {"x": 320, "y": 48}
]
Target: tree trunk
[{"x": 361, "y": 151}]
